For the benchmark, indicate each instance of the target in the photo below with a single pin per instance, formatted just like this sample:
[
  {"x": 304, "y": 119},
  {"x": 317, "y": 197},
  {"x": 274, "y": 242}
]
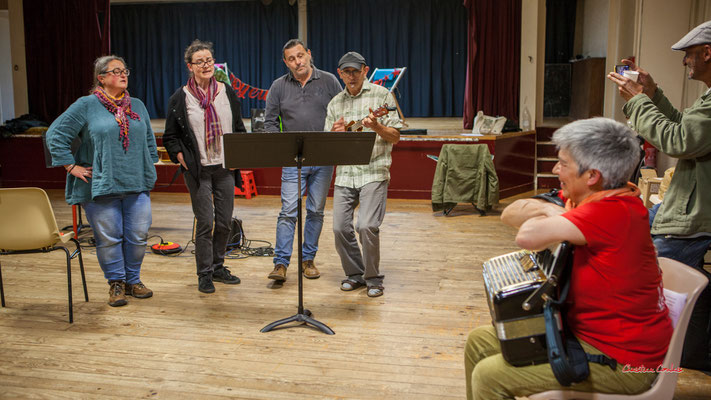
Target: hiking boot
[
  {"x": 223, "y": 275},
  {"x": 279, "y": 273},
  {"x": 205, "y": 284},
  {"x": 310, "y": 270},
  {"x": 138, "y": 290},
  {"x": 117, "y": 293}
]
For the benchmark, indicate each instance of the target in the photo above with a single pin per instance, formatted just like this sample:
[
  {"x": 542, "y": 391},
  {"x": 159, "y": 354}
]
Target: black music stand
[{"x": 289, "y": 149}]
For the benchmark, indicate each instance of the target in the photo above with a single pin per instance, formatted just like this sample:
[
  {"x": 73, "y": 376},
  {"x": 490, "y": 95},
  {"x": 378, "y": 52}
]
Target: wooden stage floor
[{"x": 182, "y": 344}]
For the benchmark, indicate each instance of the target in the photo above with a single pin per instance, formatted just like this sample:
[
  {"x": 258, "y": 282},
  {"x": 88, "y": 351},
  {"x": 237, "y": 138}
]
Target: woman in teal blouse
[{"x": 111, "y": 173}]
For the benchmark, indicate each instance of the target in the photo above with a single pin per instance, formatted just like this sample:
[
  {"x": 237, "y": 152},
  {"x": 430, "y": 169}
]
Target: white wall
[
  {"x": 621, "y": 44},
  {"x": 660, "y": 24},
  {"x": 595, "y": 20},
  {"x": 663, "y": 23},
  {"x": 7, "y": 107},
  {"x": 533, "y": 24}
]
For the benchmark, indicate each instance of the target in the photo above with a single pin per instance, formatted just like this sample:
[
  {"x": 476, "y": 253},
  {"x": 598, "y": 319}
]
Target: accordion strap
[
  {"x": 551, "y": 197},
  {"x": 567, "y": 358}
]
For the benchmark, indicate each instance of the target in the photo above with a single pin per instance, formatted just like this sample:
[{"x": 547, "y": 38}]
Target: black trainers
[
  {"x": 223, "y": 275},
  {"x": 205, "y": 284}
]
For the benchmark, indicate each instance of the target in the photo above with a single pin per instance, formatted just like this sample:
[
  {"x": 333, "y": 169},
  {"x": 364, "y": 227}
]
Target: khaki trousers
[{"x": 489, "y": 376}]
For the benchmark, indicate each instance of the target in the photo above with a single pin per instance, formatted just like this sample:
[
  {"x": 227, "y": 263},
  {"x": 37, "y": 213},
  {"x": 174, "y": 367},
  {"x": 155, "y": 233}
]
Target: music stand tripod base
[{"x": 304, "y": 318}]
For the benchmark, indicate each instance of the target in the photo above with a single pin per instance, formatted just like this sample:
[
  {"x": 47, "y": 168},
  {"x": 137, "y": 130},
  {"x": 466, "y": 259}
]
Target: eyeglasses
[
  {"x": 352, "y": 72},
  {"x": 118, "y": 72},
  {"x": 202, "y": 63}
]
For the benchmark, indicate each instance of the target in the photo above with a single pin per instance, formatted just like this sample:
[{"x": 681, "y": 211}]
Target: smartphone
[{"x": 621, "y": 68}]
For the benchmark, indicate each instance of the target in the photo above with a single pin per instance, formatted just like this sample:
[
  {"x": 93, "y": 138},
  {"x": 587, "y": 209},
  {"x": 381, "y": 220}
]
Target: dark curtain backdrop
[
  {"x": 494, "y": 53},
  {"x": 61, "y": 44},
  {"x": 426, "y": 36},
  {"x": 560, "y": 30},
  {"x": 247, "y": 35}
]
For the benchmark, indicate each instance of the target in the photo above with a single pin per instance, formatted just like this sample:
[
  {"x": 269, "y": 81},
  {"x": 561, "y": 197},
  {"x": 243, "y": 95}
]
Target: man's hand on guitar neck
[
  {"x": 388, "y": 134},
  {"x": 371, "y": 121}
]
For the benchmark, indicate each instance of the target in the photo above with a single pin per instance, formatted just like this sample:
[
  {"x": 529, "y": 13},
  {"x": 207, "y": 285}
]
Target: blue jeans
[
  {"x": 318, "y": 180},
  {"x": 697, "y": 342},
  {"x": 653, "y": 213},
  {"x": 120, "y": 224}
]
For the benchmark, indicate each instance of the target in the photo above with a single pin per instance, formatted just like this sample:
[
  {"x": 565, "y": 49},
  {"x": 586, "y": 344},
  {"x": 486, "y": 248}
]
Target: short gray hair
[
  {"x": 100, "y": 65},
  {"x": 602, "y": 144},
  {"x": 194, "y": 47}
]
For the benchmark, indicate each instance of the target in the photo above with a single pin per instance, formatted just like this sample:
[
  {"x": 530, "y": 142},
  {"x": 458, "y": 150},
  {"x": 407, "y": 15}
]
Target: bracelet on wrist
[{"x": 71, "y": 168}]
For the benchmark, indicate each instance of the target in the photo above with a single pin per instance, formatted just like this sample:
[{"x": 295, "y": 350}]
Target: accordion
[{"x": 517, "y": 284}]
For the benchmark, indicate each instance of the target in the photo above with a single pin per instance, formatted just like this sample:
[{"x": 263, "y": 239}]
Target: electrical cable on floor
[{"x": 246, "y": 250}]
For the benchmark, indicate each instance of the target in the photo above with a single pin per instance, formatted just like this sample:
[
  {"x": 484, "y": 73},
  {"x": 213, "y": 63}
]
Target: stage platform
[
  {"x": 434, "y": 126},
  {"x": 411, "y": 173}
]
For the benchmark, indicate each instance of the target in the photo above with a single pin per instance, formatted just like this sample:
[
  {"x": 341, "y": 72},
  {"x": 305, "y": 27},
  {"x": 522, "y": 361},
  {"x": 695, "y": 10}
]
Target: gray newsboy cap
[
  {"x": 699, "y": 35},
  {"x": 351, "y": 59}
]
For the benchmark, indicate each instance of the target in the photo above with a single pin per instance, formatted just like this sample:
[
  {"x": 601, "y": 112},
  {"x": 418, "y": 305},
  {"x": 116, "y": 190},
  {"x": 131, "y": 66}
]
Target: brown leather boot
[
  {"x": 279, "y": 273},
  {"x": 310, "y": 270},
  {"x": 138, "y": 290},
  {"x": 117, "y": 293}
]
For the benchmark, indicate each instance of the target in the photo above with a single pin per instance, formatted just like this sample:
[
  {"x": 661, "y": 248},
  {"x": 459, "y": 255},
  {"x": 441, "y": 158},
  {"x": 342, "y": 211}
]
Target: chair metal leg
[
  {"x": 81, "y": 267},
  {"x": 2, "y": 291},
  {"x": 69, "y": 284}
]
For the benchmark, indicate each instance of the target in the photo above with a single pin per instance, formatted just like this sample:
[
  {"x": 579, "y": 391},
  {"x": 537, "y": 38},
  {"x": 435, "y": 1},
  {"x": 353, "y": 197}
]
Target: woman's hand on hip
[{"x": 82, "y": 172}]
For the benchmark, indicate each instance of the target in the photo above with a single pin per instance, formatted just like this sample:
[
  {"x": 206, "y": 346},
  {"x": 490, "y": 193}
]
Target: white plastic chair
[
  {"x": 27, "y": 225},
  {"x": 679, "y": 278}
]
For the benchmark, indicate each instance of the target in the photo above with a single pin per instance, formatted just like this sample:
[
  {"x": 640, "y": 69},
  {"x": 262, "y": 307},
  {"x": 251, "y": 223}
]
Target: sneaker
[
  {"x": 117, "y": 293},
  {"x": 347, "y": 285},
  {"x": 138, "y": 290},
  {"x": 375, "y": 291},
  {"x": 205, "y": 284},
  {"x": 310, "y": 270},
  {"x": 279, "y": 273},
  {"x": 223, "y": 275}
]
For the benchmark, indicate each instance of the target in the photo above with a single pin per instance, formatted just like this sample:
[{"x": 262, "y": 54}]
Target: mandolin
[{"x": 357, "y": 126}]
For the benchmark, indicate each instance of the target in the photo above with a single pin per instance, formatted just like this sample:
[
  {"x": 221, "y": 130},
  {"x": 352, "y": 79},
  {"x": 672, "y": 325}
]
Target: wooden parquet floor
[{"x": 182, "y": 344}]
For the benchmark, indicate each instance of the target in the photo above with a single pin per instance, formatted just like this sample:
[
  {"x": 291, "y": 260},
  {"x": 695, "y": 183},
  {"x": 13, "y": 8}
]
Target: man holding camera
[{"x": 682, "y": 227}]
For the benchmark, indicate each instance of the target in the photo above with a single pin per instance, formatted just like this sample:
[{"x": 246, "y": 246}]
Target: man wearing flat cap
[
  {"x": 682, "y": 227},
  {"x": 364, "y": 185}
]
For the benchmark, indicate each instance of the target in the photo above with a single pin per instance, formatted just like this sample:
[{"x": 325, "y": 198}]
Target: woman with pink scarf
[
  {"x": 199, "y": 113},
  {"x": 111, "y": 173}
]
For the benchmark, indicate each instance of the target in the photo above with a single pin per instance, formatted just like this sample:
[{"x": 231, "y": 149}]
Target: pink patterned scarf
[
  {"x": 121, "y": 109},
  {"x": 213, "y": 128}
]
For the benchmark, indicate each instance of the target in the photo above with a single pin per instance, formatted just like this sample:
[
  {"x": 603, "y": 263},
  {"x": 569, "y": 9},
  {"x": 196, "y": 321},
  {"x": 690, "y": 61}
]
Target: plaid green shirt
[{"x": 355, "y": 108}]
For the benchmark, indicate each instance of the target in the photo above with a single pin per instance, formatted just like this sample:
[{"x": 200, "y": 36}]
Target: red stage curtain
[
  {"x": 62, "y": 40},
  {"x": 493, "y": 59}
]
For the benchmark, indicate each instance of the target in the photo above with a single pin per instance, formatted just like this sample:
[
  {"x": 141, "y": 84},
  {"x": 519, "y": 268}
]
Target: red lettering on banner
[{"x": 242, "y": 89}]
